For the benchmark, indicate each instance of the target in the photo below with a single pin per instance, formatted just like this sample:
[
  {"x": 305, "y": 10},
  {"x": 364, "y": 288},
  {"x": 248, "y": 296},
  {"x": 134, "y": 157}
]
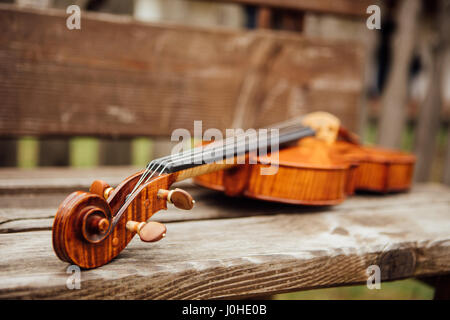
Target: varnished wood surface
[
  {"x": 163, "y": 77},
  {"x": 316, "y": 173},
  {"x": 233, "y": 247}
]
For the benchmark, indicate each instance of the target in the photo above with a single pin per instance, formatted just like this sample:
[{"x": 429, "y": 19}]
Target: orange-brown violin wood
[
  {"x": 90, "y": 228},
  {"x": 315, "y": 173},
  {"x": 69, "y": 238}
]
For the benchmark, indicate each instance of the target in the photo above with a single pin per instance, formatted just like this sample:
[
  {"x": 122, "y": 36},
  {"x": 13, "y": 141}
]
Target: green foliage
[
  {"x": 84, "y": 152},
  {"x": 396, "y": 290},
  {"x": 27, "y": 152},
  {"x": 141, "y": 151}
]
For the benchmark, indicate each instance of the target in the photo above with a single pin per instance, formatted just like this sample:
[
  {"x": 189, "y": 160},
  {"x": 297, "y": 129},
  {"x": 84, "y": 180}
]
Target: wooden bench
[
  {"x": 165, "y": 77},
  {"x": 224, "y": 248}
]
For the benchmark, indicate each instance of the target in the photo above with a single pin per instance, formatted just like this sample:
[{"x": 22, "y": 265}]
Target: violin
[
  {"x": 319, "y": 170},
  {"x": 317, "y": 162}
]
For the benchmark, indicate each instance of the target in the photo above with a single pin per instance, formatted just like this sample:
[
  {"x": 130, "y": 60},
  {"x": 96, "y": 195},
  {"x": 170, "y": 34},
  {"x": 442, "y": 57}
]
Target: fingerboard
[{"x": 240, "y": 146}]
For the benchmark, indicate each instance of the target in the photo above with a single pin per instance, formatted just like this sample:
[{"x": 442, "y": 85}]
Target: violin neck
[
  {"x": 202, "y": 169},
  {"x": 223, "y": 154}
]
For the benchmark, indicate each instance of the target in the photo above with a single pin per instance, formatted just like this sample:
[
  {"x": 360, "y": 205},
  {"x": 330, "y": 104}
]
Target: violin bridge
[{"x": 324, "y": 124}]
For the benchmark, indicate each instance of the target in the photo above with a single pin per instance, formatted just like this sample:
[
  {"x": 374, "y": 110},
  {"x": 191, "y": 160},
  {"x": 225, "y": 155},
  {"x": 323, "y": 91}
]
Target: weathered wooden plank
[
  {"x": 50, "y": 180},
  {"x": 13, "y": 180},
  {"x": 119, "y": 77},
  {"x": 23, "y": 212},
  {"x": 346, "y": 7},
  {"x": 228, "y": 258},
  {"x": 27, "y": 195}
]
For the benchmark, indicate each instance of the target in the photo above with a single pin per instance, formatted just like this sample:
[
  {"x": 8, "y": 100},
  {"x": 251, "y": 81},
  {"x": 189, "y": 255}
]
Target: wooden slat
[
  {"x": 35, "y": 211},
  {"x": 46, "y": 180},
  {"x": 264, "y": 18},
  {"x": 346, "y": 7},
  {"x": 263, "y": 254},
  {"x": 281, "y": 248},
  {"x": 116, "y": 76}
]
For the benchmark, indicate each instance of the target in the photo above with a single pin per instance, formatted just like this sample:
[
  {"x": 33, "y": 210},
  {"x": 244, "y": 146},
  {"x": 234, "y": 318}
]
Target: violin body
[{"x": 315, "y": 173}]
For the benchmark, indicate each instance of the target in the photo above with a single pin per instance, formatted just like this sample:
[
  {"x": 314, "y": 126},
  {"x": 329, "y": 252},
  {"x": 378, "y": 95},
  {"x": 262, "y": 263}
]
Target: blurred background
[{"x": 390, "y": 85}]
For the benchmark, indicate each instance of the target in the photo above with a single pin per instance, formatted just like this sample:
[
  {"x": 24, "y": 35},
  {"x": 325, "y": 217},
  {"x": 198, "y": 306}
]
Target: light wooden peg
[
  {"x": 148, "y": 232},
  {"x": 180, "y": 198},
  {"x": 101, "y": 188}
]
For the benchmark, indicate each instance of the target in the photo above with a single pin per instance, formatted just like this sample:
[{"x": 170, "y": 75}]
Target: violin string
[
  {"x": 153, "y": 163},
  {"x": 199, "y": 150},
  {"x": 157, "y": 162},
  {"x": 223, "y": 143},
  {"x": 225, "y": 147},
  {"x": 185, "y": 155},
  {"x": 203, "y": 153},
  {"x": 233, "y": 144},
  {"x": 292, "y": 135},
  {"x": 144, "y": 179},
  {"x": 166, "y": 161}
]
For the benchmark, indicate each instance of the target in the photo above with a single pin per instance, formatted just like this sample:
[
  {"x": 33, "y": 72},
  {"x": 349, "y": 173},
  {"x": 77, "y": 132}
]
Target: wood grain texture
[
  {"x": 346, "y": 7},
  {"x": 281, "y": 247},
  {"x": 26, "y": 212},
  {"x": 115, "y": 72},
  {"x": 407, "y": 235},
  {"x": 48, "y": 180},
  {"x": 33, "y": 204},
  {"x": 313, "y": 172}
]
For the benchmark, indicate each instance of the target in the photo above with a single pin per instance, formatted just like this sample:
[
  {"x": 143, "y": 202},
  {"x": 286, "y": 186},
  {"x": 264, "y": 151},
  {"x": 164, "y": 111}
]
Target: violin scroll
[
  {"x": 92, "y": 228},
  {"x": 82, "y": 218}
]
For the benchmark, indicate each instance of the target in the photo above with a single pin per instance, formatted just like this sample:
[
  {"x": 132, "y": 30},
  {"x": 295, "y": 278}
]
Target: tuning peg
[
  {"x": 148, "y": 232},
  {"x": 101, "y": 188},
  {"x": 180, "y": 198}
]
